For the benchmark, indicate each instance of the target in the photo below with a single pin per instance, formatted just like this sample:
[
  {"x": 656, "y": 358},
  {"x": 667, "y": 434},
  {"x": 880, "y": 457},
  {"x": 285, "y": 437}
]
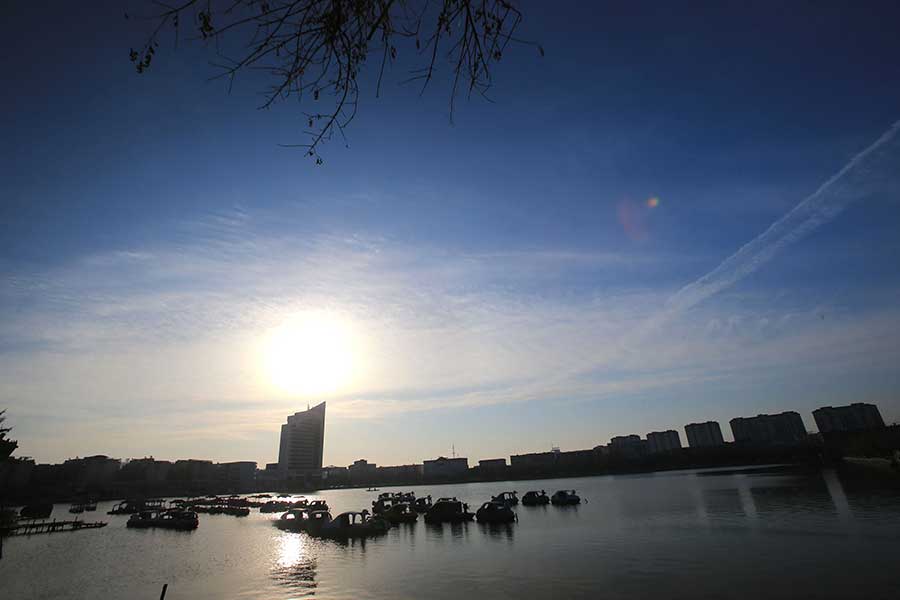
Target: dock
[{"x": 54, "y": 526}]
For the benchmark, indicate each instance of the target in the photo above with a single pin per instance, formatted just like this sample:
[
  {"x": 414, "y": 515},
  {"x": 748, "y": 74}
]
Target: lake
[{"x": 773, "y": 533}]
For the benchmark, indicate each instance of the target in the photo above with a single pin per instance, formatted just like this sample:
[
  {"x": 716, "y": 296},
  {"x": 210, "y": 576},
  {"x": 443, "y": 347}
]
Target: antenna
[{"x": 453, "y": 450}]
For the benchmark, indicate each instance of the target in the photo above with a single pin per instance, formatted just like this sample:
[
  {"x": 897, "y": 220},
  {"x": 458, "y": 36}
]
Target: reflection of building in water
[
  {"x": 858, "y": 416},
  {"x": 838, "y": 497},
  {"x": 769, "y": 430},
  {"x": 663, "y": 441},
  {"x": 302, "y": 441},
  {"x": 704, "y": 435},
  {"x": 748, "y": 505}
]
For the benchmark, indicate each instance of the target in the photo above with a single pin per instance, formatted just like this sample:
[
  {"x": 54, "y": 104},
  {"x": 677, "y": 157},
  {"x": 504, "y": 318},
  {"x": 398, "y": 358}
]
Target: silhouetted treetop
[
  {"x": 6, "y": 445},
  {"x": 316, "y": 49}
]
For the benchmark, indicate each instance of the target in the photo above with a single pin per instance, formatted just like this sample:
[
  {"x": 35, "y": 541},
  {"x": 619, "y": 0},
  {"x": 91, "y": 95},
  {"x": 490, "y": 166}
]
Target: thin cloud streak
[{"x": 858, "y": 179}]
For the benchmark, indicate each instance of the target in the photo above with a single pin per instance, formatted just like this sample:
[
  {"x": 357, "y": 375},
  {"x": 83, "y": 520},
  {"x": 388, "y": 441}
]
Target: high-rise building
[
  {"x": 704, "y": 435},
  {"x": 858, "y": 416},
  {"x": 663, "y": 441},
  {"x": 628, "y": 446},
  {"x": 769, "y": 430},
  {"x": 302, "y": 441}
]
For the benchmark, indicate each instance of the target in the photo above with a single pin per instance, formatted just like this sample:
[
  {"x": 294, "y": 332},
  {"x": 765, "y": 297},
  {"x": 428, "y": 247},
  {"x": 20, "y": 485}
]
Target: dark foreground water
[{"x": 776, "y": 534}]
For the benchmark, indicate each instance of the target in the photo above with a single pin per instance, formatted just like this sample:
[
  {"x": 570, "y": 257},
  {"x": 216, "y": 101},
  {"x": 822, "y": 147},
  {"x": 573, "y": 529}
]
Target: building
[
  {"x": 400, "y": 474},
  {"x": 492, "y": 464},
  {"x": 238, "y": 476},
  {"x": 362, "y": 471},
  {"x": 627, "y": 446},
  {"x": 769, "y": 430},
  {"x": 302, "y": 442},
  {"x": 196, "y": 475},
  {"x": 145, "y": 470},
  {"x": 445, "y": 468},
  {"x": 663, "y": 441},
  {"x": 858, "y": 416},
  {"x": 534, "y": 461},
  {"x": 91, "y": 471},
  {"x": 704, "y": 435}
]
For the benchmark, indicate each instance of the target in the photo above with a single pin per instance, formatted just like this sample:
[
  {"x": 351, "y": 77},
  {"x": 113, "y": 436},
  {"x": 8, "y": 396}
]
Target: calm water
[{"x": 672, "y": 535}]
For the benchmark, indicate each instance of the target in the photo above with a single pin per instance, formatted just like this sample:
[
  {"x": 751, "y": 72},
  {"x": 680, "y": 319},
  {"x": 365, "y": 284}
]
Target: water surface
[{"x": 687, "y": 534}]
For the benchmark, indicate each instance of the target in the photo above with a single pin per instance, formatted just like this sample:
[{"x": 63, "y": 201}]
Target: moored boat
[
  {"x": 318, "y": 505},
  {"x": 533, "y": 498},
  {"x": 273, "y": 506},
  {"x": 422, "y": 505},
  {"x": 352, "y": 525},
  {"x": 495, "y": 512},
  {"x": 36, "y": 510},
  {"x": 565, "y": 498},
  {"x": 448, "y": 510},
  {"x": 183, "y": 520},
  {"x": 296, "y": 519},
  {"x": 401, "y": 512},
  {"x": 506, "y": 498}
]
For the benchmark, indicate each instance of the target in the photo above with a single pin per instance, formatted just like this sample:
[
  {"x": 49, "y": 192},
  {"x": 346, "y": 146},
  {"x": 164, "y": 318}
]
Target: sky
[{"x": 678, "y": 214}]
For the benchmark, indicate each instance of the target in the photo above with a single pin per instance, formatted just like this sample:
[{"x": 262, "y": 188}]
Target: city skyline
[{"x": 599, "y": 250}]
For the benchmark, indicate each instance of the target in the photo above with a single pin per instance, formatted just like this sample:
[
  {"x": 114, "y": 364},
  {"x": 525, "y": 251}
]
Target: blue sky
[{"x": 505, "y": 283}]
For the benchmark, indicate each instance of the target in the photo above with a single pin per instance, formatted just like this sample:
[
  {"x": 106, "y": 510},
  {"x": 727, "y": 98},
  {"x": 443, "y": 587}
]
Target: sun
[{"x": 310, "y": 354}]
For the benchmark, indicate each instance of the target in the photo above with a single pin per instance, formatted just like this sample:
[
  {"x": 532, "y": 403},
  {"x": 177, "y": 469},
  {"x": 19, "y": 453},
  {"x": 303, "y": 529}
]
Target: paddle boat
[
  {"x": 448, "y": 510},
  {"x": 350, "y": 525},
  {"x": 507, "y": 498},
  {"x": 533, "y": 498},
  {"x": 495, "y": 512},
  {"x": 400, "y": 512},
  {"x": 184, "y": 520},
  {"x": 565, "y": 498}
]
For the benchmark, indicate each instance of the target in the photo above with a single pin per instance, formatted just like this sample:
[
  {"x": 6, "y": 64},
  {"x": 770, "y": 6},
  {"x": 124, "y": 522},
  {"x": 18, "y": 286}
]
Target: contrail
[{"x": 861, "y": 177}]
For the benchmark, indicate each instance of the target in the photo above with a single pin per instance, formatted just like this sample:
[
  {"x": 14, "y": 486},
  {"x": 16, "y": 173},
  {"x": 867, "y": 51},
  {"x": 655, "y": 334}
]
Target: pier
[{"x": 54, "y": 526}]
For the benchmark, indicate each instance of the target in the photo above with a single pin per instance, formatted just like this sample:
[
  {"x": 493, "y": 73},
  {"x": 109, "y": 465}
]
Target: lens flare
[{"x": 652, "y": 202}]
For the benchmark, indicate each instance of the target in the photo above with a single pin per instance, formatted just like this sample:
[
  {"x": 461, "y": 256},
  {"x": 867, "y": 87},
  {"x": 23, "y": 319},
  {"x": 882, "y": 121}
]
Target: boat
[
  {"x": 301, "y": 503},
  {"x": 236, "y": 511},
  {"x": 318, "y": 505},
  {"x": 565, "y": 498},
  {"x": 448, "y": 510},
  {"x": 296, "y": 519},
  {"x": 129, "y": 507},
  {"x": 274, "y": 506},
  {"x": 372, "y": 489},
  {"x": 422, "y": 504},
  {"x": 495, "y": 512},
  {"x": 382, "y": 505},
  {"x": 400, "y": 512},
  {"x": 183, "y": 520},
  {"x": 507, "y": 498},
  {"x": 36, "y": 510},
  {"x": 533, "y": 498},
  {"x": 352, "y": 525}
]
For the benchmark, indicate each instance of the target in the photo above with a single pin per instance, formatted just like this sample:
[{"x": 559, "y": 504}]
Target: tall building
[
  {"x": 704, "y": 435},
  {"x": 628, "y": 446},
  {"x": 663, "y": 441},
  {"x": 769, "y": 430},
  {"x": 302, "y": 441},
  {"x": 859, "y": 416}
]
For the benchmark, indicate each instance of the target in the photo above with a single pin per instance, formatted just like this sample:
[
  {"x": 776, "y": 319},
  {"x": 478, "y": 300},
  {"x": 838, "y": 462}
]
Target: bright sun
[{"x": 310, "y": 354}]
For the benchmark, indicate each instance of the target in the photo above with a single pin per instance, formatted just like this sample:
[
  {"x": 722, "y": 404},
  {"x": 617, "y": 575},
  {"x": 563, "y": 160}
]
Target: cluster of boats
[
  {"x": 391, "y": 509},
  {"x": 184, "y": 520},
  {"x": 79, "y": 507}
]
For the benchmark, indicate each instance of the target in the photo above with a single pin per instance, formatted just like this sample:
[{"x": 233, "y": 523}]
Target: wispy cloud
[{"x": 863, "y": 176}]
